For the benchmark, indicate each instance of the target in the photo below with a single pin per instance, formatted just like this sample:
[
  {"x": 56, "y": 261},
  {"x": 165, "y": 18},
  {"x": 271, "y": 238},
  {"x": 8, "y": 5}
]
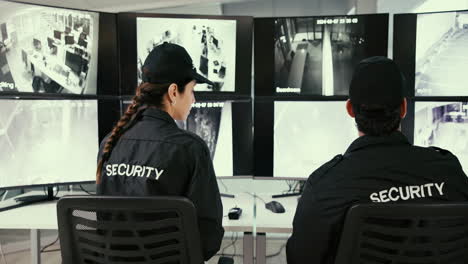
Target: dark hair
[
  {"x": 377, "y": 120},
  {"x": 147, "y": 95}
]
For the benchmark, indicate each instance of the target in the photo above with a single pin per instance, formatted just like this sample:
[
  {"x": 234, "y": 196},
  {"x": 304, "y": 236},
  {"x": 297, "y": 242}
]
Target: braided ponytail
[{"x": 123, "y": 124}]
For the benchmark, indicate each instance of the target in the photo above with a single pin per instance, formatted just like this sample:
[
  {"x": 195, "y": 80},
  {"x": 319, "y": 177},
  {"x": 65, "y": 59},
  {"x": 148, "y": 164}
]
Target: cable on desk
[
  {"x": 277, "y": 253},
  {"x": 290, "y": 184},
  {"x": 256, "y": 196},
  {"x": 3, "y": 255},
  {"x": 83, "y": 189},
  {"x": 51, "y": 244},
  {"x": 46, "y": 193}
]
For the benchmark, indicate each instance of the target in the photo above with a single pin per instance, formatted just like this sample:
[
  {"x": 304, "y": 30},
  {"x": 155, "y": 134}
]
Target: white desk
[
  {"x": 44, "y": 216},
  {"x": 263, "y": 221},
  {"x": 59, "y": 78}
]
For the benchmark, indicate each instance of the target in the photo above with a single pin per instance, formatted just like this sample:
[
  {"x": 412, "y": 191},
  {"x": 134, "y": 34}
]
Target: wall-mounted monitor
[
  {"x": 47, "y": 142},
  {"x": 69, "y": 40},
  {"x": 294, "y": 138},
  {"x": 50, "y": 42},
  {"x": 31, "y": 29},
  {"x": 83, "y": 43},
  {"x": 74, "y": 62},
  {"x": 444, "y": 125},
  {"x": 57, "y": 34},
  {"x": 314, "y": 55},
  {"x": 226, "y": 127},
  {"x": 430, "y": 48},
  {"x": 37, "y": 44},
  {"x": 220, "y": 47}
]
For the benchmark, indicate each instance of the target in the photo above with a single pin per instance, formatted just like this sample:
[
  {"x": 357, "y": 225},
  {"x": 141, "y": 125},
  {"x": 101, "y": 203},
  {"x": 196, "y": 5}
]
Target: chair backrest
[
  {"x": 108, "y": 230},
  {"x": 405, "y": 234}
]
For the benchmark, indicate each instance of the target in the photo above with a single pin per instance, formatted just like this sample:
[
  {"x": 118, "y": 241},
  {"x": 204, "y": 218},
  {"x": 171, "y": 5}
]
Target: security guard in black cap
[
  {"x": 380, "y": 166},
  {"x": 147, "y": 154}
]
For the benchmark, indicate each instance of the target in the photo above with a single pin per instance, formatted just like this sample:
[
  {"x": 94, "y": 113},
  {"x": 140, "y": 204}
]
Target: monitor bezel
[
  {"x": 264, "y": 37},
  {"x": 404, "y": 51},
  {"x": 107, "y": 62},
  {"x": 128, "y": 52},
  {"x": 264, "y": 134},
  {"x": 57, "y": 99}
]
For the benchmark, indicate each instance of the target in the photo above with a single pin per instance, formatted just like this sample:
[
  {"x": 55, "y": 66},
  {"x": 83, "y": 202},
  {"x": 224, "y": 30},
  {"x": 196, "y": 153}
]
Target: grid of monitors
[
  {"x": 226, "y": 127},
  {"x": 47, "y": 142},
  {"x": 220, "y": 47},
  {"x": 431, "y": 48},
  {"x": 48, "y": 50},
  {"x": 55, "y": 63},
  {"x": 314, "y": 55},
  {"x": 303, "y": 135}
]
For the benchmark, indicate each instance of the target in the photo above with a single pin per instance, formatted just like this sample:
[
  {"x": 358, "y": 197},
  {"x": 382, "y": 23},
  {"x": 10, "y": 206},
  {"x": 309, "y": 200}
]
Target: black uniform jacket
[
  {"x": 373, "y": 169},
  {"x": 155, "y": 157}
]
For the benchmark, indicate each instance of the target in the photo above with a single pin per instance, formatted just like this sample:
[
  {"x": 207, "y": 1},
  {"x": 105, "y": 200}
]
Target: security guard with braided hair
[{"x": 146, "y": 153}]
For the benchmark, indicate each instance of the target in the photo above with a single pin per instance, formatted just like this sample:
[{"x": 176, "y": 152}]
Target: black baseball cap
[
  {"x": 168, "y": 63},
  {"x": 377, "y": 81}
]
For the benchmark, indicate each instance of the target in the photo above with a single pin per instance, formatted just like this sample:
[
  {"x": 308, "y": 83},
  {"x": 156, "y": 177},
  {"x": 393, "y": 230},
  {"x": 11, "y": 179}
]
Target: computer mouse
[{"x": 275, "y": 207}]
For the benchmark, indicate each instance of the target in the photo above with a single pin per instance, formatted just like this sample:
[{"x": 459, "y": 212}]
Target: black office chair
[
  {"x": 405, "y": 234},
  {"x": 107, "y": 229}
]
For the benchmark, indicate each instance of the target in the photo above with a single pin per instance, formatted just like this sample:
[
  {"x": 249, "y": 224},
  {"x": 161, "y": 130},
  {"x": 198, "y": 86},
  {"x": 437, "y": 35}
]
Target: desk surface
[
  {"x": 44, "y": 215},
  {"x": 268, "y": 222}
]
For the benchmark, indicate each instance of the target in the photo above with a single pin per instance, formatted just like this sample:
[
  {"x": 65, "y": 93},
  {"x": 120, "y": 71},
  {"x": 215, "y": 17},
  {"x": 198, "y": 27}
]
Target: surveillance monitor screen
[
  {"x": 210, "y": 42},
  {"x": 212, "y": 121},
  {"x": 74, "y": 62},
  {"x": 226, "y": 128},
  {"x": 47, "y": 142},
  {"x": 57, "y": 35},
  {"x": 444, "y": 125},
  {"x": 317, "y": 55},
  {"x": 308, "y": 134},
  {"x": 441, "y": 48},
  {"x": 36, "y": 31}
]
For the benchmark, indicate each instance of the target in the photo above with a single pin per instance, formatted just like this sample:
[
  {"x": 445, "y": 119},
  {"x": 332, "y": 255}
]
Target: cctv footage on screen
[
  {"x": 444, "y": 125},
  {"x": 441, "y": 54},
  {"x": 308, "y": 134},
  {"x": 211, "y": 43},
  {"x": 212, "y": 121},
  {"x": 47, "y": 50},
  {"x": 316, "y": 55},
  {"x": 44, "y": 141}
]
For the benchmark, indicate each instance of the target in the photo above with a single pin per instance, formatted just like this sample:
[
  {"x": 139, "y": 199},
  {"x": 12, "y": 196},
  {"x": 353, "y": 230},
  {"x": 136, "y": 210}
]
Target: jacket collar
[
  {"x": 158, "y": 114},
  {"x": 396, "y": 138}
]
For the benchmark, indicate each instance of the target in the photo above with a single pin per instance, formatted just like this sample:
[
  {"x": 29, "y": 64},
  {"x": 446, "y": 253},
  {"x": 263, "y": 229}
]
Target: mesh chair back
[
  {"x": 111, "y": 230},
  {"x": 405, "y": 234}
]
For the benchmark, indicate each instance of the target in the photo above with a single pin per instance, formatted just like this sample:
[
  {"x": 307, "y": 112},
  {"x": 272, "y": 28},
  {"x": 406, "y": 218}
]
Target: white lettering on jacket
[
  {"x": 408, "y": 192},
  {"x": 133, "y": 171}
]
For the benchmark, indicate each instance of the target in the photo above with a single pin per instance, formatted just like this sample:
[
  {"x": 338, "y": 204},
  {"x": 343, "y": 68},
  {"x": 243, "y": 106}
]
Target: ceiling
[{"x": 124, "y": 5}]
